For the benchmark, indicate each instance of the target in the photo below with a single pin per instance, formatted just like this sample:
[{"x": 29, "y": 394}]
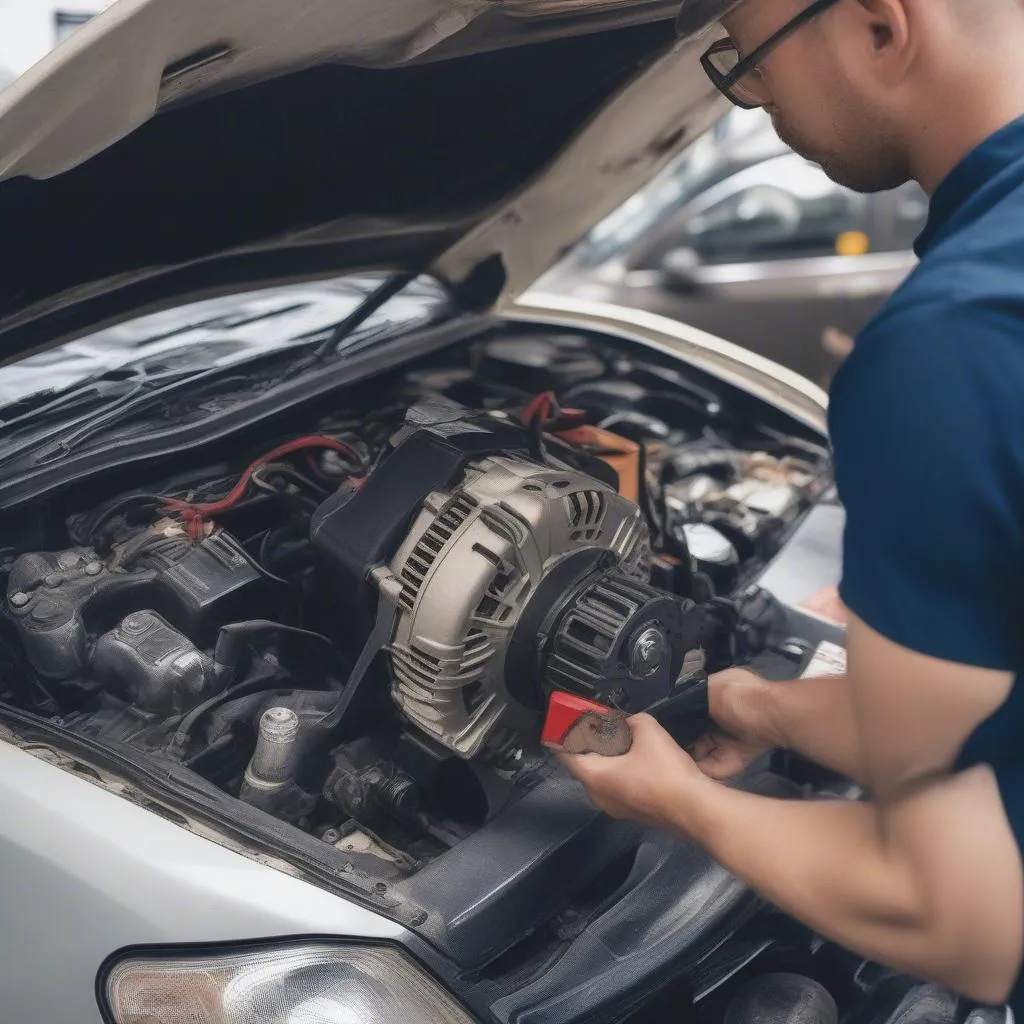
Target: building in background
[{"x": 29, "y": 29}]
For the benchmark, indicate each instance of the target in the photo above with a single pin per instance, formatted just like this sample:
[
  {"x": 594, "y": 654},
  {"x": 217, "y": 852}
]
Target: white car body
[{"x": 93, "y": 864}]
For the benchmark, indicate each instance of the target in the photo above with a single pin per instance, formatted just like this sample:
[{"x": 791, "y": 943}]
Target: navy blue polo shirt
[{"x": 927, "y": 425}]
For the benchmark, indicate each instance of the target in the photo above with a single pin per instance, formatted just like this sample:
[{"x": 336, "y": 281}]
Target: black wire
[
  {"x": 264, "y": 554},
  {"x": 263, "y": 550},
  {"x": 101, "y": 517},
  {"x": 238, "y": 690},
  {"x": 657, "y": 527},
  {"x": 537, "y": 449},
  {"x": 264, "y": 571},
  {"x": 256, "y": 685},
  {"x": 286, "y": 471},
  {"x": 250, "y": 541}
]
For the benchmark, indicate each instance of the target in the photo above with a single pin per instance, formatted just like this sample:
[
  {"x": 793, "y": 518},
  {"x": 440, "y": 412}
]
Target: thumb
[
  {"x": 704, "y": 747},
  {"x": 583, "y": 766}
]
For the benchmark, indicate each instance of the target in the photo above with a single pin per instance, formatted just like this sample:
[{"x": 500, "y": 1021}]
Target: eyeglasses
[{"x": 740, "y": 80}]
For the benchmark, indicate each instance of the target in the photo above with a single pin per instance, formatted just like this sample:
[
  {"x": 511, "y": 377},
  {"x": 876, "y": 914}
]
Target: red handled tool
[{"x": 580, "y": 726}]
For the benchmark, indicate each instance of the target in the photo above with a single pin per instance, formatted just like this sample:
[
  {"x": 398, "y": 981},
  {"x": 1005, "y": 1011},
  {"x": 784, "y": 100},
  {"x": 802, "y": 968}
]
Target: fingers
[
  {"x": 721, "y": 767},
  {"x": 588, "y": 767},
  {"x": 643, "y": 725},
  {"x": 704, "y": 747},
  {"x": 719, "y": 757},
  {"x": 732, "y": 675},
  {"x": 592, "y": 767}
]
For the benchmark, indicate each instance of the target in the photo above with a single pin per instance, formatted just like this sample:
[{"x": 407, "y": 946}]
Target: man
[{"x": 927, "y": 425}]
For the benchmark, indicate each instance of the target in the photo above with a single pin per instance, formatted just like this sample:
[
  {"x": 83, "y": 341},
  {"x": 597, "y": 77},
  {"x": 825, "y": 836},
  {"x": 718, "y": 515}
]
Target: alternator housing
[{"x": 472, "y": 560}]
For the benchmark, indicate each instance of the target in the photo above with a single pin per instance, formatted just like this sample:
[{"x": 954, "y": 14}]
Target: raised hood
[{"x": 179, "y": 149}]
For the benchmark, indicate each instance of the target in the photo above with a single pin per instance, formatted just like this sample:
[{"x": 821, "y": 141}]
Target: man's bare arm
[
  {"x": 913, "y": 712},
  {"x": 811, "y": 717},
  {"x": 896, "y": 717},
  {"x": 931, "y": 884}
]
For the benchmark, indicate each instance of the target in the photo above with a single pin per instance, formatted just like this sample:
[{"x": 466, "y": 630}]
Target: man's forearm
[
  {"x": 821, "y": 861},
  {"x": 824, "y": 863},
  {"x": 815, "y": 718}
]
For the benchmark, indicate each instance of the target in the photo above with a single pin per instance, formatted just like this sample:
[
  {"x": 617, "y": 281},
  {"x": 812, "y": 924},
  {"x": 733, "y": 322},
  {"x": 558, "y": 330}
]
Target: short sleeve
[{"x": 926, "y": 438}]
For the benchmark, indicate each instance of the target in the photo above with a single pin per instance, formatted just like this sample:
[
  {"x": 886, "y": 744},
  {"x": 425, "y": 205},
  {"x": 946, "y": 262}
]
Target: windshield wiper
[
  {"x": 121, "y": 398},
  {"x": 333, "y": 344},
  {"x": 110, "y": 391},
  {"x": 124, "y": 410},
  {"x": 383, "y": 293},
  {"x": 104, "y": 387}
]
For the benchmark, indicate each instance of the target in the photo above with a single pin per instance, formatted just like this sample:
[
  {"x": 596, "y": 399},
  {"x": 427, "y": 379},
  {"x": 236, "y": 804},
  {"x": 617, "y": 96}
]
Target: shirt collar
[{"x": 950, "y": 203}]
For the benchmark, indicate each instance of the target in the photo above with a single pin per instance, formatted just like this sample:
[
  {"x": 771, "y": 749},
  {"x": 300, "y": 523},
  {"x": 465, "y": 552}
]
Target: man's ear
[{"x": 886, "y": 28}]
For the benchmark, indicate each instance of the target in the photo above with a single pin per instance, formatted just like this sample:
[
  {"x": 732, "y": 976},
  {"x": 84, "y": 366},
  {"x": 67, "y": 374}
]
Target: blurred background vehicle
[
  {"x": 743, "y": 238},
  {"x": 29, "y": 29}
]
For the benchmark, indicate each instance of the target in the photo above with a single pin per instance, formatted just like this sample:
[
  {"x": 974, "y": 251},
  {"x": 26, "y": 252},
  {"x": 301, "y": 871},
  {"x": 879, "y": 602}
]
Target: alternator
[{"x": 472, "y": 561}]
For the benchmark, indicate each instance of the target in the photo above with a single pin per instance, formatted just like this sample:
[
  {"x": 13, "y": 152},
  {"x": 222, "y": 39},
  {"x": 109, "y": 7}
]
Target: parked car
[
  {"x": 281, "y": 621},
  {"x": 747, "y": 240}
]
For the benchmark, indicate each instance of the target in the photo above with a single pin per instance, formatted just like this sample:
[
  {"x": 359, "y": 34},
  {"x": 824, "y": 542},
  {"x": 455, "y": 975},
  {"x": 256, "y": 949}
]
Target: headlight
[{"x": 308, "y": 984}]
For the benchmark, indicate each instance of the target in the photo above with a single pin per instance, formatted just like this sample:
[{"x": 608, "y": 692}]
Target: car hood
[{"x": 176, "y": 150}]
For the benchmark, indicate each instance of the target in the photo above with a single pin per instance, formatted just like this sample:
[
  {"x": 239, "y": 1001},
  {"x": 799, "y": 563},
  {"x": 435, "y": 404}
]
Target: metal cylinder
[
  {"x": 782, "y": 998},
  {"x": 275, "y": 760}
]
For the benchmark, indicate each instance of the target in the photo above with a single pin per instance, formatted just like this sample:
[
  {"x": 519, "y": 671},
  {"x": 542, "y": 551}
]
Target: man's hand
[
  {"x": 722, "y": 757},
  {"x": 647, "y": 784},
  {"x": 740, "y": 708}
]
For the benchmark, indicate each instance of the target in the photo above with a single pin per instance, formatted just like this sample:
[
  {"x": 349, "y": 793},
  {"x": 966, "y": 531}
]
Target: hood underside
[{"x": 178, "y": 149}]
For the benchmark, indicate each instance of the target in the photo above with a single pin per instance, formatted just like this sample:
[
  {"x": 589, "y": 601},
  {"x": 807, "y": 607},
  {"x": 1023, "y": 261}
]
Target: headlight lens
[{"x": 309, "y": 984}]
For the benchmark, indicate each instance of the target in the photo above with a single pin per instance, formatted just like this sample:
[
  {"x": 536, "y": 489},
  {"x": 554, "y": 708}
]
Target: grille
[
  {"x": 500, "y": 601},
  {"x": 430, "y": 545},
  {"x": 585, "y": 511},
  {"x": 413, "y": 667}
]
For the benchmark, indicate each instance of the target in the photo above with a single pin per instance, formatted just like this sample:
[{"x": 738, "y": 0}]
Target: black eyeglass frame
[{"x": 725, "y": 83}]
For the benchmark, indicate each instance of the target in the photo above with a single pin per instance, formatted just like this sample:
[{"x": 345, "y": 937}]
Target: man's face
[{"x": 822, "y": 103}]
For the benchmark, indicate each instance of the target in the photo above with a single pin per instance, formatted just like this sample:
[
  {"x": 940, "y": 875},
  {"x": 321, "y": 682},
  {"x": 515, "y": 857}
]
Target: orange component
[{"x": 620, "y": 453}]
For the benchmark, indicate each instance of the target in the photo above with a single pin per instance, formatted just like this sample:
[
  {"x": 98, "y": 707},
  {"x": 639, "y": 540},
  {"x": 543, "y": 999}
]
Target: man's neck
[{"x": 954, "y": 128}]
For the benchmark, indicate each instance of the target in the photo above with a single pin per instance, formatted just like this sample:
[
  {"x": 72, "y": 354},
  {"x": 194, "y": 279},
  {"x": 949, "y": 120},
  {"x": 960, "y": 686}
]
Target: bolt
[
  {"x": 19, "y": 599},
  {"x": 793, "y": 648},
  {"x": 331, "y": 835},
  {"x": 93, "y": 568},
  {"x": 380, "y": 887},
  {"x": 279, "y": 725}
]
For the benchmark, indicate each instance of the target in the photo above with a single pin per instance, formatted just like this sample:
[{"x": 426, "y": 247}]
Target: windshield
[{"x": 218, "y": 332}]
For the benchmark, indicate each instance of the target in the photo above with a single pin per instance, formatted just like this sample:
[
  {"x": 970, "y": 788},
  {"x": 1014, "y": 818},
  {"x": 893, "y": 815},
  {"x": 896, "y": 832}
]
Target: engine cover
[{"x": 459, "y": 583}]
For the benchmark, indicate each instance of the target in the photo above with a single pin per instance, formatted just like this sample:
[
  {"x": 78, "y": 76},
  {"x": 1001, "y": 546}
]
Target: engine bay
[
  {"x": 493, "y": 534},
  {"x": 354, "y": 626}
]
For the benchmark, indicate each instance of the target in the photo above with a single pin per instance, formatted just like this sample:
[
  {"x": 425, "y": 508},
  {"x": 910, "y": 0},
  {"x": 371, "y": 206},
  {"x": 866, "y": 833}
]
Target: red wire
[
  {"x": 195, "y": 515},
  {"x": 546, "y": 408},
  {"x": 538, "y": 405}
]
